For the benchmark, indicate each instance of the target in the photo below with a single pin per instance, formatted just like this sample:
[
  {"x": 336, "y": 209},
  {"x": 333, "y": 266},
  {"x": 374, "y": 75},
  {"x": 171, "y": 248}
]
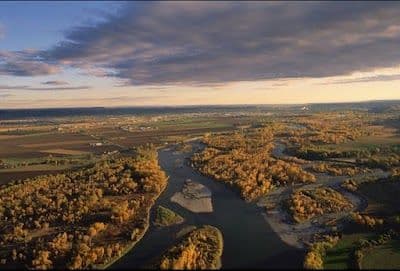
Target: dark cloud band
[
  {"x": 5, "y": 87},
  {"x": 55, "y": 83},
  {"x": 202, "y": 43}
]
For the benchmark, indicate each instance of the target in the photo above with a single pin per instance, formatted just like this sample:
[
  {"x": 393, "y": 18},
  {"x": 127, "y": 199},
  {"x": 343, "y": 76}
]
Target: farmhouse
[{"x": 96, "y": 144}]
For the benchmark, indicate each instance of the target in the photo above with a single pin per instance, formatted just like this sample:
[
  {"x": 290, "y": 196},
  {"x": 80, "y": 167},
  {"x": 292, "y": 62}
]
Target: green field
[
  {"x": 166, "y": 217},
  {"x": 17, "y": 162},
  {"x": 187, "y": 123},
  {"x": 382, "y": 196},
  {"x": 367, "y": 141},
  {"x": 339, "y": 257},
  {"x": 386, "y": 256}
]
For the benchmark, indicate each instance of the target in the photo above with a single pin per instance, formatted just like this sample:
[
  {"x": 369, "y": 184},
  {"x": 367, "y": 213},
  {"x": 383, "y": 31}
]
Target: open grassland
[
  {"x": 26, "y": 153},
  {"x": 166, "y": 217},
  {"x": 366, "y": 143},
  {"x": 386, "y": 256},
  {"x": 382, "y": 136},
  {"x": 136, "y": 138},
  {"x": 340, "y": 256},
  {"x": 383, "y": 202},
  {"x": 33, "y": 145},
  {"x": 190, "y": 123},
  {"x": 383, "y": 197},
  {"x": 25, "y": 129},
  {"x": 8, "y": 137},
  {"x": 64, "y": 151},
  {"x": 56, "y": 143},
  {"x": 20, "y": 168}
]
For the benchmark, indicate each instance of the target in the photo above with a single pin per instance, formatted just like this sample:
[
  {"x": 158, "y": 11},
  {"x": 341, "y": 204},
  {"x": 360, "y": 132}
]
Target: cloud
[
  {"x": 6, "y": 87},
  {"x": 205, "y": 43},
  {"x": 214, "y": 42},
  {"x": 5, "y": 95},
  {"x": 55, "y": 83},
  {"x": 280, "y": 84},
  {"x": 60, "y": 88},
  {"x": 2, "y": 31},
  {"x": 375, "y": 78},
  {"x": 25, "y": 63}
]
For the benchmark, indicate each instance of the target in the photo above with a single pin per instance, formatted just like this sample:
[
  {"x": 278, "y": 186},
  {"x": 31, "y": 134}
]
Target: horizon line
[{"x": 200, "y": 105}]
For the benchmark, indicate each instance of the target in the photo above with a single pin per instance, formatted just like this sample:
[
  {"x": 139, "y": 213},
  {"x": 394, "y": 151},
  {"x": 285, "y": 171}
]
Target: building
[{"x": 96, "y": 144}]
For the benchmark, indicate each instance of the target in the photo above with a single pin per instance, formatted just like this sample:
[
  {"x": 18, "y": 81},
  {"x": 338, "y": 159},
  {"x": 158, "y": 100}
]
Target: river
[{"x": 249, "y": 242}]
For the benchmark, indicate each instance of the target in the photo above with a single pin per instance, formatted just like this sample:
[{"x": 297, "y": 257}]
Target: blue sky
[
  {"x": 173, "y": 53},
  {"x": 41, "y": 24}
]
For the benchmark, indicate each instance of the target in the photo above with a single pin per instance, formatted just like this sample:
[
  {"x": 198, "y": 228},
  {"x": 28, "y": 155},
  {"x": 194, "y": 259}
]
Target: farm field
[
  {"x": 340, "y": 256},
  {"x": 324, "y": 181},
  {"x": 383, "y": 201},
  {"x": 383, "y": 257},
  {"x": 383, "y": 197},
  {"x": 32, "y": 145}
]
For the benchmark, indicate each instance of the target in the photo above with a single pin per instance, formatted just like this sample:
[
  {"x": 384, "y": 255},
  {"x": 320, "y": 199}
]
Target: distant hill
[{"x": 373, "y": 106}]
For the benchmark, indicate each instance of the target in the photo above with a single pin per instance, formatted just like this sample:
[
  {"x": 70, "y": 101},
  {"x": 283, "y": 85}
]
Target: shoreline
[
  {"x": 132, "y": 244},
  {"x": 280, "y": 228},
  {"x": 154, "y": 264},
  {"x": 297, "y": 234},
  {"x": 220, "y": 251},
  {"x": 273, "y": 221},
  {"x": 277, "y": 227}
]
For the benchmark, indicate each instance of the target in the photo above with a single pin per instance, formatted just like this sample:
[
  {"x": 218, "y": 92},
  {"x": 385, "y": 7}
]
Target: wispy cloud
[
  {"x": 25, "y": 63},
  {"x": 55, "y": 83},
  {"x": 5, "y": 95},
  {"x": 375, "y": 78},
  {"x": 60, "y": 88},
  {"x": 6, "y": 87},
  {"x": 202, "y": 43},
  {"x": 280, "y": 84}
]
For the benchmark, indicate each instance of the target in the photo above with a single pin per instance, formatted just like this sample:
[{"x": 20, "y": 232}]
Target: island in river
[
  {"x": 194, "y": 197},
  {"x": 166, "y": 217},
  {"x": 201, "y": 248}
]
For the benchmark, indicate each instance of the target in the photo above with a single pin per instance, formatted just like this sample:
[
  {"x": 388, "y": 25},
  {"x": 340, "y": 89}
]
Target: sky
[{"x": 75, "y": 54}]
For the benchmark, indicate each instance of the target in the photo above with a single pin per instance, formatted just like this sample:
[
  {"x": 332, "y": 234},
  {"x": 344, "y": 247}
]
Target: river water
[{"x": 249, "y": 242}]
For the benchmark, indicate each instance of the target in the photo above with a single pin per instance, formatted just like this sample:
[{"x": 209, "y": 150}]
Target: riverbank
[
  {"x": 200, "y": 248},
  {"x": 249, "y": 242},
  {"x": 140, "y": 235},
  {"x": 299, "y": 235}
]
